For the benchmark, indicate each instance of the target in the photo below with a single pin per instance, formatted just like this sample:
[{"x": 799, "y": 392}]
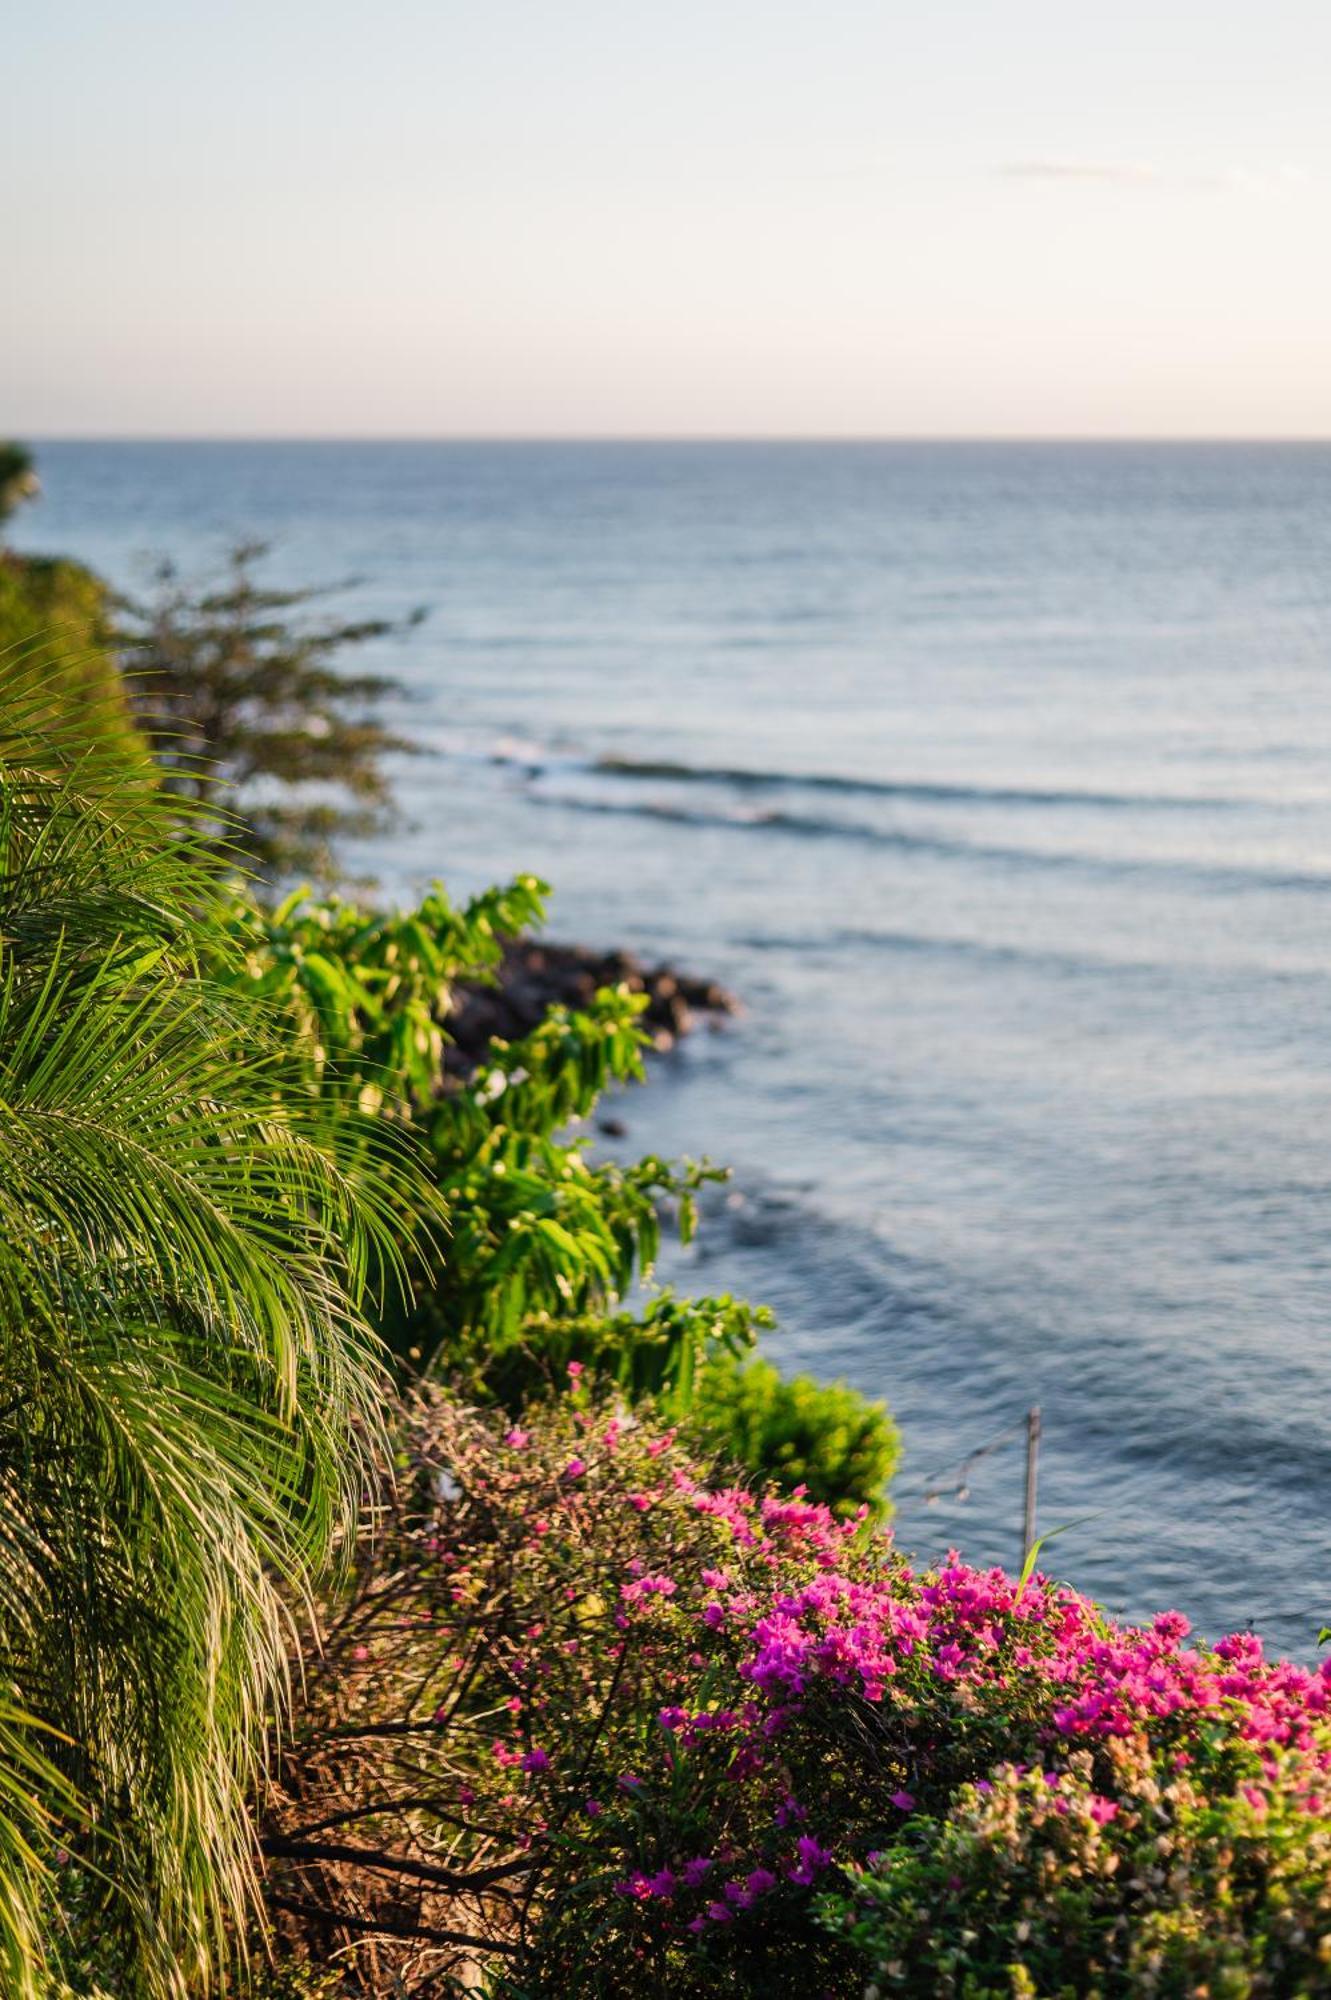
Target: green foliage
[
  {"x": 55, "y": 636},
  {"x": 18, "y": 478},
  {"x": 363, "y": 996},
  {"x": 543, "y": 1243},
  {"x": 189, "y": 1393},
  {"x": 539, "y": 1236},
  {"x": 1211, "y": 1877},
  {"x": 822, "y": 1436},
  {"x": 251, "y": 720},
  {"x": 659, "y": 1352}
]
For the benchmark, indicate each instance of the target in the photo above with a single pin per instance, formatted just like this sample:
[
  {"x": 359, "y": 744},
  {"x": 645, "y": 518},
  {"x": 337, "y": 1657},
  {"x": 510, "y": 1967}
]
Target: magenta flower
[{"x": 812, "y": 1860}]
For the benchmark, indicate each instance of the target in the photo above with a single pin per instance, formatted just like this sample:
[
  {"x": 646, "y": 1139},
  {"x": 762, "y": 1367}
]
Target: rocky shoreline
[{"x": 536, "y": 975}]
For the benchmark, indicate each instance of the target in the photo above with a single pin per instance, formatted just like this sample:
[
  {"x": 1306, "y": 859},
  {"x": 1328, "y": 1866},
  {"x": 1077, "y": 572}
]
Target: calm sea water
[{"x": 997, "y": 780}]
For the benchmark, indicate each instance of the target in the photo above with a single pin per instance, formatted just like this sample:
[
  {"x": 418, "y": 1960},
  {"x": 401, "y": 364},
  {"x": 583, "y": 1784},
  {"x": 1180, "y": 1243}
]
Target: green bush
[
  {"x": 822, "y": 1437},
  {"x": 55, "y": 636},
  {"x": 542, "y": 1244}
]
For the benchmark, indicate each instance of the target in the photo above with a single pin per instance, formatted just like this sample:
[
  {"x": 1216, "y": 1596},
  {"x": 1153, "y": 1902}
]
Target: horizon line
[{"x": 1027, "y": 438}]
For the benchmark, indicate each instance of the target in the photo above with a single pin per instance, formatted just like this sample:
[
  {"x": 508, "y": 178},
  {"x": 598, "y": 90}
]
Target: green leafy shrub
[
  {"x": 543, "y": 1244},
  {"x": 823, "y": 1437},
  {"x": 56, "y": 648}
]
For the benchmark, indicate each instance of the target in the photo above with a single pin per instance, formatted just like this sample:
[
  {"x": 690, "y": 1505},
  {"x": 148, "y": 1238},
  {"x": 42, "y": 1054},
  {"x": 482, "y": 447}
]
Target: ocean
[{"x": 996, "y": 780}]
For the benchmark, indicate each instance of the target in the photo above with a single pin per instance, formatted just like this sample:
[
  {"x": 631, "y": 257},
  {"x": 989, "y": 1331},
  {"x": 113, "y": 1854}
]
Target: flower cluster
[{"x": 625, "y": 1728}]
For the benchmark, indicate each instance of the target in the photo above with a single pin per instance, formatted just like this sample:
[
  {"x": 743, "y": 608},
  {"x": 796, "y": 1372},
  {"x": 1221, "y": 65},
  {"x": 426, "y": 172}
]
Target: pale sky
[{"x": 688, "y": 217}]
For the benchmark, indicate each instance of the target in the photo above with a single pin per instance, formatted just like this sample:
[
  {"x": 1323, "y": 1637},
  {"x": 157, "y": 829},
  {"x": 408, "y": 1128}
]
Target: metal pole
[{"x": 1032, "y": 1476}]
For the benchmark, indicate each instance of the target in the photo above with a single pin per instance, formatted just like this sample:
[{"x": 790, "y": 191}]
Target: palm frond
[{"x": 189, "y": 1392}]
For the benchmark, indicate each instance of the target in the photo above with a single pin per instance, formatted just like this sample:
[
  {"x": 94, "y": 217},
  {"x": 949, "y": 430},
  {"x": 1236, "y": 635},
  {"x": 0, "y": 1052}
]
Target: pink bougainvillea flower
[{"x": 812, "y": 1860}]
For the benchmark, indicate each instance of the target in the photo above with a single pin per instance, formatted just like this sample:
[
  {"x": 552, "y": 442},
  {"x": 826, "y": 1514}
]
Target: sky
[{"x": 1032, "y": 218}]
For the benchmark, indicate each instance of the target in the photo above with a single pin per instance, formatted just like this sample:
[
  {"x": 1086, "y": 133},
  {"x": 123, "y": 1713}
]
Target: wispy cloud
[{"x": 1278, "y": 179}]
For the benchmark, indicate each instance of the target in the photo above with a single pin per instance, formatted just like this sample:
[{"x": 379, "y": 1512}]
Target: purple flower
[{"x": 812, "y": 1860}]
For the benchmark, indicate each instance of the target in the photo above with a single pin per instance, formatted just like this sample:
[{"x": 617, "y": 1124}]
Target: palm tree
[{"x": 189, "y": 1393}]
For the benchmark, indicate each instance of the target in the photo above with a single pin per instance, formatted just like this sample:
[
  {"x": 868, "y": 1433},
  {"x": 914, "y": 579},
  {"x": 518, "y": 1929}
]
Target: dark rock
[{"x": 534, "y": 977}]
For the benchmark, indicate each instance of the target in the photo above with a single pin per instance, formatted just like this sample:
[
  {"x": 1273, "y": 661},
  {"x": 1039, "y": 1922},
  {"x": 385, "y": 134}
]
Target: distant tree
[
  {"x": 248, "y": 716},
  {"x": 18, "y": 478}
]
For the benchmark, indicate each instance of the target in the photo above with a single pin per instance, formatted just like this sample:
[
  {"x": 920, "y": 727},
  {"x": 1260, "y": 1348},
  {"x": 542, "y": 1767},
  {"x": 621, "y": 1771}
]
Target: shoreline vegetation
[
  {"x": 536, "y": 975},
  {"x": 399, "y": 1593}
]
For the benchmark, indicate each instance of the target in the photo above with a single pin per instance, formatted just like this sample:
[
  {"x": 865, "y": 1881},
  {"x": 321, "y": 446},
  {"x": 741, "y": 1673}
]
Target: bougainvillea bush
[
  {"x": 1128, "y": 1871},
  {"x": 590, "y": 1722}
]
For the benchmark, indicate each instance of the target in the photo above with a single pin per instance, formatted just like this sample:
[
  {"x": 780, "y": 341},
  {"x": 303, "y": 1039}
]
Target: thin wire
[{"x": 938, "y": 1487}]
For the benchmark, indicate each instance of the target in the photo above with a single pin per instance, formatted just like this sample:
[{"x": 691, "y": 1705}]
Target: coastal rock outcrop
[{"x": 537, "y": 975}]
